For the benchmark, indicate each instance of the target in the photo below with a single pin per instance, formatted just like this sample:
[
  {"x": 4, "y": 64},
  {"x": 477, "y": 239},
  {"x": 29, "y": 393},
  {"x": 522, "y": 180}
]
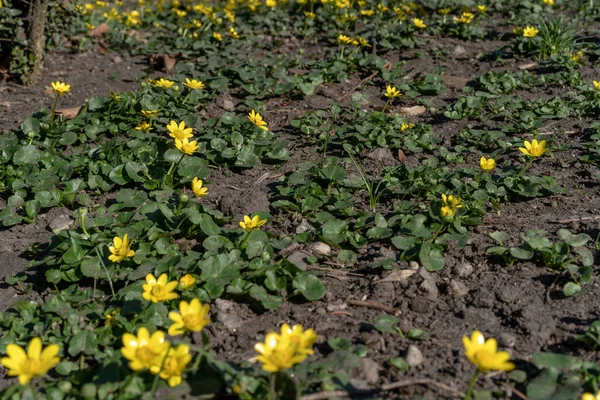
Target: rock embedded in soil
[
  {"x": 507, "y": 340},
  {"x": 463, "y": 270},
  {"x": 297, "y": 258},
  {"x": 304, "y": 226},
  {"x": 383, "y": 156},
  {"x": 430, "y": 289},
  {"x": 457, "y": 288},
  {"x": 369, "y": 370},
  {"x": 319, "y": 249},
  {"x": 60, "y": 223},
  {"x": 229, "y": 314},
  {"x": 414, "y": 356}
]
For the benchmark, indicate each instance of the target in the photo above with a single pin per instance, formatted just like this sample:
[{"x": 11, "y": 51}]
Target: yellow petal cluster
[
  {"x": 534, "y": 149},
  {"x": 37, "y": 361},
  {"x": 596, "y": 85},
  {"x": 120, "y": 249},
  {"x": 179, "y": 131},
  {"x": 485, "y": 355},
  {"x": 198, "y": 188},
  {"x": 162, "y": 83},
  {"x": 250, "y": 224},
  {"x": 284, "y": 350},
  {"x": 391, "y": 92},
  {"x": 174, "y": 365},
  {"x": 185, "y": 146},
  {"x": 193, "y": 84},
  {"x": 419, "y": 23},
  {"x": 591, "y": 396},
  {"x": 160, "y": 289},
  {"x": 192, "y": 317},
  {"x": 451, "y": 204},
  {"x": 145, "y": 351},
  {"x": 60, "y": 88},
  {"x": 186, "y": 282},
  {"x": 257, "y": 120},
  {"x": 487, "y": 164},
  {"x": 530, "y": 31}
]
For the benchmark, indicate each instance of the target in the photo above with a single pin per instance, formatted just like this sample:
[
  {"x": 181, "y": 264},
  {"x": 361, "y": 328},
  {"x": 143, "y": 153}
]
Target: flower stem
[
  {"x": 272, "y": 388},
  {"x": 112, "y": 289},
  {"x": 186, "y": 97},
  {"x": 54, "y": 110},
  {"x": 387, "y": 103},
  {"x": 82, "y": 223},
  {"x": 524, "y": 169},
  {"x": 474, "y": 379},
  {"x": 438, "y": 231}
]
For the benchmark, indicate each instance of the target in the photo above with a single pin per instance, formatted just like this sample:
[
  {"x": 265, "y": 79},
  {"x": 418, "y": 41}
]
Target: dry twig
[
  {"x": 384, "y": 388},
  {"x": 376, "y": 306},
  {"x": 368, "y": 78}
]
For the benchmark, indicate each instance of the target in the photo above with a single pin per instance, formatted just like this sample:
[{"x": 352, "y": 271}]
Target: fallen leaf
[
  {"x": 163, "y": 61},
  {"x": 99, "y": 30},
  {"x": 415, "y": 110},
  {"x": 68, "y": 113},
  {"x": 398, "y": 276},
  {"x": 103, "y": 48},
  {"x": 402, "y": 157},
  {"x": 528, "y": 66}
]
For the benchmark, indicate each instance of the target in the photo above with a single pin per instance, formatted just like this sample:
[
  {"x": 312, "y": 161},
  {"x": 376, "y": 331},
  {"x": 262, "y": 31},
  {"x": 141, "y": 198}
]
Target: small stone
[
  {"x": 420, "y": 305},
  {"x": 414, "y": 356},
  {"x": 297, "y": 258},
  {"x": 60, "y": 223},
  {"x": 423, "y": 273},
  {"x": 574, "y": 226},
  {"x": 384, "y": 156},
  {"x": 304, "y": 226},
  {"x": 319, "y": 249},
  {"x": 463, "y": 270},
  {"x": 228, "y": 314},
  {"x": 369, "y": 369},
  {"x": 117, "y": 59},
  {"x": 507, "y": 340},
  {"x": 228, "y": 105},
  {"x": 337, "y": 307},
  {"x": 414, "y": 265},
  {"x": 430, "y": 289},
  {"x": 387, "y": 253},
  {"x": 321, "y": 311},
  {"x": 457, "y": 288},
  {"x": 459, "y": 51},
  {"x": 553, "y": 204}
]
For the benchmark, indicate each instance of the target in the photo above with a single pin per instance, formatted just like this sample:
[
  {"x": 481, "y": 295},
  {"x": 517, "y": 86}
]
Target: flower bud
[
  {"x": 30, "y": 134},
  {"x": 184, "y": 198}
]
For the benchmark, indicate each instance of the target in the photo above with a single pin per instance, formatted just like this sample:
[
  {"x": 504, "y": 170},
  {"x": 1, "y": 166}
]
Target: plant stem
[
  {"x": 387, "y": 103},
  {"x": 112, "y": 289},
  {"x": 54, "y": 110},
  {"x": 524, "y": 169},
  {"x": 469, "y": 392},
  {"x": 82, "y": 223},
  {"x": 272, "y": 388},
  {"x": 438, "y": 231},
  {"x": 185, "y": 99}
]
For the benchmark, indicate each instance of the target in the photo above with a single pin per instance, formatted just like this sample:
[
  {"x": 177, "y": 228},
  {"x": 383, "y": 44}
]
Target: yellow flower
[
  {"x": 343, "y": 39},
  {"x": 419, "y": 23},
  {"x": 444, "y": 11},
  {"x": 144, "y": 127},
  {"x": 110, "y": 317},
  {"x": 451, "y": 203},
  {"x": 465, "y": 18},
  {"x": 406, "y": 126},
  {"x": 198, "y": 189},
  {"x": 193, "y": 84},
  {"x": 90, "y": 26},
  {"x": 487, "y": 165},
  {"x": 534, "y": 148},
  {"x": 217, "y": 36},
  {"x": 35, "y": 362},
  {"x": 60, "y": 88},
  {"x": 250, "y": 224},
  {"x": 233, "y": 33},
  {"x": 181, "y": 13},
  {"x": 149, "y": 113},
  {"x": 160, "y": 289},
  {"x": 485, "y": 355},
  {"x": 186, "y": 147},
  {"x": 391, "y": 92},
  {"x": 197, "y": 23},
  {"x": 271, "y": 3},
  {"x": 163, "y": 83},
  {"x": 530, "y": 31},
  {"x": 121, "y": 249},
  {"x": 518, "y": 30},
  {"x": 591, "y": 396},
  {"x": 179, "y": 131},
  {"x": 282, "y": 351},
  {"x": 175, "y": 363},
  {"x": 115, "y": 96},
  {"x": 363, "y": 42},
  {"x": 186, "y": 282},
  {"x": 596, "y": 85},
  {"x": 551, "y": 3},
  {"x": 481, "y": 8},
  {"x": 367, "y": 13},
  {"x": 576, "y": 56},
  {"x": 257, "y": 120},
  {"x": 193, "y": 317},
  {"x": 144, "y": 351},
  {"x": 309, "y": 15}
]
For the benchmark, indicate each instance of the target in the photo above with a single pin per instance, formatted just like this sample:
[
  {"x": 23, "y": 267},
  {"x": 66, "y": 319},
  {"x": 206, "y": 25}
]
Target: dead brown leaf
[
  {"x": 103, "y": 48},
  {"x": 398, "y": 276},
  {"x": 528, "y": 66},
  {"x": 414, "y": 110},
  {"x": 402, "y": 157},
  {"x": 69, "y": 113},
  {"x": 99, "y": 30},
  {"x": 163, "y": 61}
]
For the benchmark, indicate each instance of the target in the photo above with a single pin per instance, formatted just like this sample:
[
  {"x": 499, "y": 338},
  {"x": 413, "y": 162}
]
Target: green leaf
[
  {"x": 27, "y": 155},
  {"x": 208, "y": 226},
  {"x": 83, "y": 341},
  {"x": 387, "y": 324},
  {"x": 91, "y": 268},
  {"x": 571, "y": 289},
  {"x": 554, "y": 360},
  {"x": 400, "y": 363},
  {"x": 267, "y": 300},
  {"x": 172, "y": 155},
  {"x": 30, "y": 125},
  {"x": 431, "y": 258},
  {"x": 217, "y": 271},
  {"x": 573, "y": 240},
  {"x": 521, "y": 254},
  {"x": 334, "y": 230},
  {"x": 309, "y": 285}
]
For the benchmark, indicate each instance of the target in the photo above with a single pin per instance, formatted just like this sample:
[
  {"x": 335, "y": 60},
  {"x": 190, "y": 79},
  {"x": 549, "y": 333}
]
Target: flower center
[
  {"x": 144, "y": 354},
  {"x": 158, "y": 291},
  {"x": 30, "y": 367},
  {"x": 192, "y": 321}
]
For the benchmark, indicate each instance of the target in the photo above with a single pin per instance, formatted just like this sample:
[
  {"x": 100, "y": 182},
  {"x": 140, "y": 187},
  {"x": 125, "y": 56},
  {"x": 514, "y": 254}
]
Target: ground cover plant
[{"x": 301, "y": 199}]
